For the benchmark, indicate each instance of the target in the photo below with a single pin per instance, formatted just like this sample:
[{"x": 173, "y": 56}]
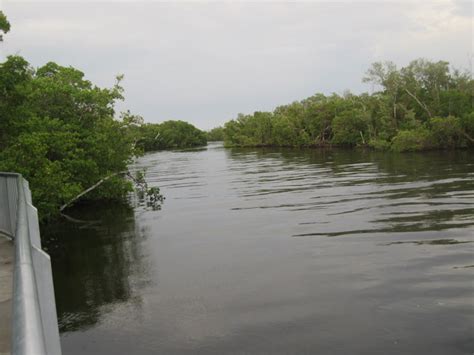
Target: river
[{"x": 275, "y": 251}]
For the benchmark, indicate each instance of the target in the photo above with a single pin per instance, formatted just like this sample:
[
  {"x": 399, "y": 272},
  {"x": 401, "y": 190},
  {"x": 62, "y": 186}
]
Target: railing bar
[
  {"x": 28, "y": 337},
  {"x": 34, "y": 321}
]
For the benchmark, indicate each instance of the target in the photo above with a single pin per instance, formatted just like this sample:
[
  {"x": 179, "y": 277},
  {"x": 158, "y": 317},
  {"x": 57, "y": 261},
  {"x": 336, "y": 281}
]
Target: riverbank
[{"x": 329, "y": 146}]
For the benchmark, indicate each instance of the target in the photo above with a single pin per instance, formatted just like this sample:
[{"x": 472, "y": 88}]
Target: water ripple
[{"x": 348, "y": 193}]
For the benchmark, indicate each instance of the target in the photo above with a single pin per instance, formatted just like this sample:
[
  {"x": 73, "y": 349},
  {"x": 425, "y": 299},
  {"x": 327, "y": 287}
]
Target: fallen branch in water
[
  {"x": 152, "y": 194},
  {"x": 83, "y": 222},
  {"x": 90, "y": 189}
]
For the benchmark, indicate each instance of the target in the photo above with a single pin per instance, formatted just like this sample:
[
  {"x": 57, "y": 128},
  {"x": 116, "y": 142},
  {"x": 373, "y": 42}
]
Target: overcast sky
[{"x": 206, "y": 62}]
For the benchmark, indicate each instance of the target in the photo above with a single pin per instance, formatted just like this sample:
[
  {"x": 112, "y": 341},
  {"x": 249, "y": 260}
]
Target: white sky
[{"x": 204, "y": 62}]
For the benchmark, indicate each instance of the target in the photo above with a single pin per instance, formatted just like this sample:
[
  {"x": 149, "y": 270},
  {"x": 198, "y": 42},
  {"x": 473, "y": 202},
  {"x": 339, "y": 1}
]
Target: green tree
[
  {"x": 4, "y": 25},
  {"x": 349, "y": 127},
  {"x": 447, "y": 132},
  {"x": 59, "y": 131},
  {"x": 216, "y": 134},
  {"x": 424, "y": 105},
  {"x": 170, "y": 135}
]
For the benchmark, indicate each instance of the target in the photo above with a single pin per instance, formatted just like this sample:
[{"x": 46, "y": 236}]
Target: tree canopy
[
  {"x": 169, "y": 135},
  {"x": 421, "y": 106},
  {"x": 216, "y": 134},
  {"x": 59, "y": 131}
]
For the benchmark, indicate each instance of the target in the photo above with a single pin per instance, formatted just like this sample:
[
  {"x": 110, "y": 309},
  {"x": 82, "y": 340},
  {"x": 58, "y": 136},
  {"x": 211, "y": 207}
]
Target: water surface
[{"x": 265, "y": 251}]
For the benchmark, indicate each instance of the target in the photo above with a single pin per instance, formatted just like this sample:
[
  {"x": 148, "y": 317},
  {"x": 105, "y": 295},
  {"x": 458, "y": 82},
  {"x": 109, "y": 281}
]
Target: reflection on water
[
  {"x": 371, "y": 192},
  {"x": 432, "y": 242},
  {"x": 97, "y": 263},
  {"x": 277, "y": 251}
]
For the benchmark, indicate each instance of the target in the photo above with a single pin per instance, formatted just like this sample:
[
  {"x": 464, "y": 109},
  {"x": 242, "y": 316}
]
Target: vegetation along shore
[
  {"x": 64, "y": 135},
  {"x": 424, "y": 105}
]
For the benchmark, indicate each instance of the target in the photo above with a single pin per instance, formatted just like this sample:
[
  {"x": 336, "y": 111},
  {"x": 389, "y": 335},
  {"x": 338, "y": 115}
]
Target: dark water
[{"x": 276, "y": 252}]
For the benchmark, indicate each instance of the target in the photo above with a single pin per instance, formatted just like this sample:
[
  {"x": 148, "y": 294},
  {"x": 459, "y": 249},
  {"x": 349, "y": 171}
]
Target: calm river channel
[{"x": 275, "y": 251}]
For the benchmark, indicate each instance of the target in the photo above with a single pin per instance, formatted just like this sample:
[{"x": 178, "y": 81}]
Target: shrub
[
  {"x": 446, "y": 132},
  {"x": 379, "y": 144},
  {"x": 411, "y": 140},
  {"x": 348, "y": 127}
]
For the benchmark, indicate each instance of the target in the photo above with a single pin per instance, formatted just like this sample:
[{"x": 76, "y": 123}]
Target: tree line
[
  {"x": 169, "y": 135},
  {"x": 64, "y": 135},
  {"x": 60, "y": 132},
  {"x": 424, "y": 105}
]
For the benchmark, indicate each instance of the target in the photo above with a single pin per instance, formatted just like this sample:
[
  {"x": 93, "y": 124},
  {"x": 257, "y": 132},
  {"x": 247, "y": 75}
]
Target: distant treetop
[{"x": 4, "y": 25}]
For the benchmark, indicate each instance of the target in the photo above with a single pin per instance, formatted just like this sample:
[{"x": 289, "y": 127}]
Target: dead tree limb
[
  {"x": 467, "y": 136},
  {"x": 90, "y": 189},
  {"x": 419, "y": 102}
]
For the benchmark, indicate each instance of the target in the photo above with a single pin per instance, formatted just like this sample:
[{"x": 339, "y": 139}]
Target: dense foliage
[
  {"x": 216, "y": 134},
  {"x": 424, "y": 105},
  {"x": 59, "y": 131},
  {"x": 169, "y": 135}
]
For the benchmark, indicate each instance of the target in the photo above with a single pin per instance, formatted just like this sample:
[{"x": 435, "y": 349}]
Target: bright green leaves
[
  {"x": 50, "y": 182},
  {"x": 59, "y": 131}
]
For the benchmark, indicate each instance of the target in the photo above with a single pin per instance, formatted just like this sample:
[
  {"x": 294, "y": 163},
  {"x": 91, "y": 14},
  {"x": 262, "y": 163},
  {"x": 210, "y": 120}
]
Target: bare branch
[
  {"x": 419, "y": 102},
  {"x": 90, "y": 189},
  {"x": 467, "y": 136}
]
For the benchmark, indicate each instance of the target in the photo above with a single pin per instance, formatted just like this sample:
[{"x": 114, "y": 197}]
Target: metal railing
[{"x": 34, "y": 322}]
